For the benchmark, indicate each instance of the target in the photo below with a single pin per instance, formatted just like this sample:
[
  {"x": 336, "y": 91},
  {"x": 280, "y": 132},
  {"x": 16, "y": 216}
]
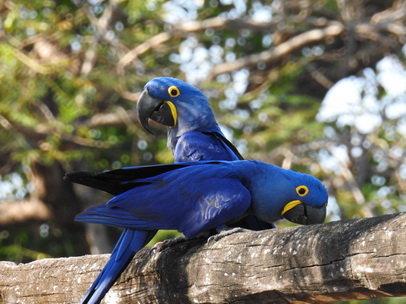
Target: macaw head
[
  {"x": 300, "y": 198},
  {"x": 308, "y": 204},
  {"x": 175, "y": 104}
]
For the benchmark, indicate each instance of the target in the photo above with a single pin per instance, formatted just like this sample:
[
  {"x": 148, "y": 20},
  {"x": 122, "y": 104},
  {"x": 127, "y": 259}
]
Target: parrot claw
[
  {"x": 161, "y": 246},
  {"x": 225, "y": 231}
]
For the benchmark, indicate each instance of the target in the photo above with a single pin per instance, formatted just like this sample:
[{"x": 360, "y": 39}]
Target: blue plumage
[
  {"x": 193, "y": 133},
  {"x": 194, "y": 197},
  {"x": 129, "y": 243},
  {"x": 198, "y": 146},
  {"x": 191, "y": 197},
  {"x": 140, "y": 207}
]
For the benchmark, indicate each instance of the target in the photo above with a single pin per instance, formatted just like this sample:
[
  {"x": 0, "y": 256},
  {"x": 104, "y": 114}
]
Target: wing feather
[
  {"x": 121, "y": 180},
  {"x": 191, "y": 199}
]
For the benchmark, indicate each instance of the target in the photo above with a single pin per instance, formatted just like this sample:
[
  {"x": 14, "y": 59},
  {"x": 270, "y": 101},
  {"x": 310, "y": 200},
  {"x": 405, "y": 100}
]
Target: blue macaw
[
  {"x": 193, "y": 133},
  {"x": 193, "y": 198}
]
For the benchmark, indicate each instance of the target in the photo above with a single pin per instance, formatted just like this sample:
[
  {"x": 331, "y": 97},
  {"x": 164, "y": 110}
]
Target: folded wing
[{"x": 190, "y": 199}]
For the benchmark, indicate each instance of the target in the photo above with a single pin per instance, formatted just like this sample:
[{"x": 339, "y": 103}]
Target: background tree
[{"x": 71, "y": 72}]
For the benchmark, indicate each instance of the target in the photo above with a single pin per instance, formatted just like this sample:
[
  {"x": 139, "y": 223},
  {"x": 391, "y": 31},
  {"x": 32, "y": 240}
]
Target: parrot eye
[
  {"x": 173, "y": 91},
  {"x": 302, "y": 190}
]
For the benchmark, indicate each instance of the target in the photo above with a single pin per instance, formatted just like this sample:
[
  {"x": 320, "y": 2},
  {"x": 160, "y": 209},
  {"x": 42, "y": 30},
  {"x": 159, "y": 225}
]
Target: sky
[{"x": 354, "y": 101}]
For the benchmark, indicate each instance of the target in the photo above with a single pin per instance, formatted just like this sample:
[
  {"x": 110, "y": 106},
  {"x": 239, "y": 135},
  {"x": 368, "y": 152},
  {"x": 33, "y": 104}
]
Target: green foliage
[
  {"x": 61, "y": 68},
  {"x": 163, "y": 235},
  {"x": 45, "y": 241}
]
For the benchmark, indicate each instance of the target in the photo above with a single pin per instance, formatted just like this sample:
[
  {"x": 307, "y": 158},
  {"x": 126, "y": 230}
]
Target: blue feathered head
[{"x": 175, "y": 104}]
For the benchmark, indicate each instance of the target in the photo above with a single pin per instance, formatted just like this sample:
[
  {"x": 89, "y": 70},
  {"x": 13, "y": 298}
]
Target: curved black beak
[
  {"x": 148, "y": 107},
  {"x": 306, "y": 215}
]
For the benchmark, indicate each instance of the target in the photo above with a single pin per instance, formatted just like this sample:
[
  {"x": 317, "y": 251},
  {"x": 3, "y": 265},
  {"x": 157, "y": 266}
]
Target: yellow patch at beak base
[
  {"x": 173, "y": 112},
  {"x": 290, "y": 206}
]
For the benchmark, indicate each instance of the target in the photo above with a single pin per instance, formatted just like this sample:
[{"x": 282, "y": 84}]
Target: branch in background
[
  {"x": 41, "y": 132},
  {"x": 198, "y": 26},
  {"x": 239, "y": 24},
  {"x": 120, "y": 117},
  {"x": 285, "y": 48},
  {"x": 32, "y": 63},
  {"x": 101, "y": 26},
  {"x": 140, "y": 49},
  {"x": 390, "y": 21},
  {"x": 221, "y": 23},
  {"x": 24, "y": 211},
  {"x": 319, "y": 76},
  {"x": 324, "y": 30},
  {"x": 337, "y": 261},
  {"x": 395, "y": 13}
]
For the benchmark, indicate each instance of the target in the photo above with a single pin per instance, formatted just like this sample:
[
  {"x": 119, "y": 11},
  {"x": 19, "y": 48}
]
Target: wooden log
[{"x": 337, "y": 261}]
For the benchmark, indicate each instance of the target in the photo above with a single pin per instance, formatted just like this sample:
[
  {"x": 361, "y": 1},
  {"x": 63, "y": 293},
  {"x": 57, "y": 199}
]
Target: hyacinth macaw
[
  {"x": 193, "y": 133},
  {"x": 193, "y": 198}
]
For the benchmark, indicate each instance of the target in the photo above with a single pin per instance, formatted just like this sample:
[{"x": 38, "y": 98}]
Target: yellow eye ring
[
  {"x": 173, "y": 91},
  {"x": 302, "y": 190}
]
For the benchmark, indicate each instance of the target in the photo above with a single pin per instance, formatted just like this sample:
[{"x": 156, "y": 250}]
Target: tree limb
[
  {"x": 385, "y": 22},
  {"x": 331, "y": 30},
  {"x": 101, "y": 25},
  {"x": 199, "y": 26},
  {"x": 337, "y": 261},
  {"x": 15, "y": 212},
  {"x": 140, "y": 49},
  {"x": 117, "y": 118}
]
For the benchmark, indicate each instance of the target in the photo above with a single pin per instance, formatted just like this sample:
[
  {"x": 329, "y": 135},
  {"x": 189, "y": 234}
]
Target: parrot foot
[
  {"x": 160, "y": 246},
  {"x": 225, "y": 231}
]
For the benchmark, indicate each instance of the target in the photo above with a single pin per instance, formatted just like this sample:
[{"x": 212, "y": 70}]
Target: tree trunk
[{"x": 337, "y": 261}]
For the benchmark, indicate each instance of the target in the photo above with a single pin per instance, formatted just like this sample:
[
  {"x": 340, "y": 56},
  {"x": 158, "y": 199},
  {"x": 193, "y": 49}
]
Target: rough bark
[{"x": 337, "y": 261}]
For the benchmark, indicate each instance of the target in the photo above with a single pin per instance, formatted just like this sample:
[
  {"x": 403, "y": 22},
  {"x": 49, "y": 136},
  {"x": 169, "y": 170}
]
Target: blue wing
[
  {"x": 202, "y": 146},
  {"x": 198, "y": 146},
  {"x": 190, "y": 200},
  {"x": 121, "y": 180}
]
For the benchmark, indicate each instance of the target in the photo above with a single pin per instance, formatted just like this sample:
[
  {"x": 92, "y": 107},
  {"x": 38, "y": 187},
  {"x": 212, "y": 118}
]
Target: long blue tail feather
[{"x": 127, "y": 246}]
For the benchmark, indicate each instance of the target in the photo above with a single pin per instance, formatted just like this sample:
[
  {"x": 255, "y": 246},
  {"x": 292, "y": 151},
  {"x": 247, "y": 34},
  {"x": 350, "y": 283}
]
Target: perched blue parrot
[
  {"x": 193, "y": 198},
  {"x": 193, "y": 133}
]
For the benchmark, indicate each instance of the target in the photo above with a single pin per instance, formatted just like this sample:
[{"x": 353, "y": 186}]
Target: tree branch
[
  {"x": 15, "y": 212},
  {"x": 331, "y": 30},
  {"x": 140, "y": 49},
  {"x": 101, "y": 26},
  {"x": 199, "y": 26},
  {"x": 386, "y": 22},
  {"x": 39, "y": 133},
  {"x": 117, "y": 118},
  {"x": 337, "y": 261},
  {"x": 222, "y": 23}
]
